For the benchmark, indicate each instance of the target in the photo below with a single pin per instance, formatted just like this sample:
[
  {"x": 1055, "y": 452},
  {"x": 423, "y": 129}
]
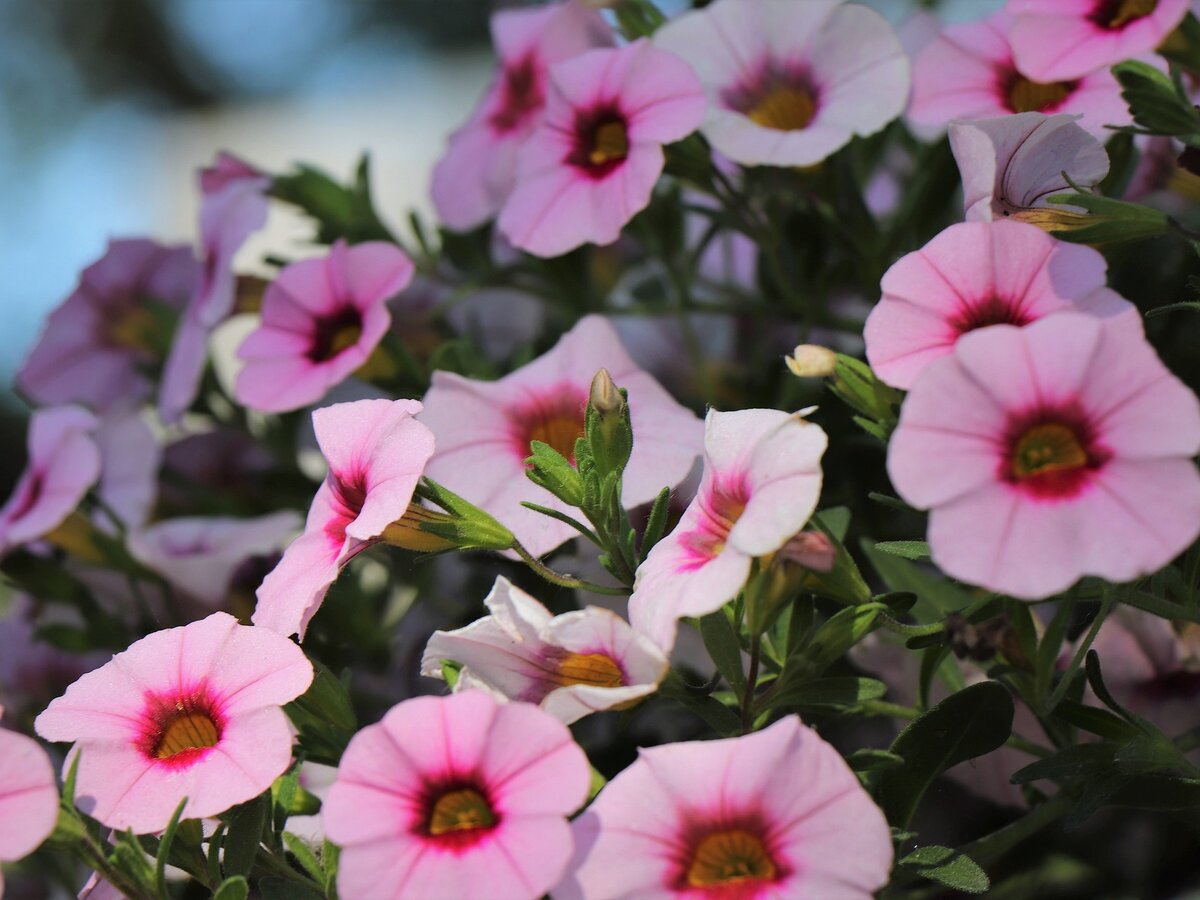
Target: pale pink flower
[
  {"x": 321, "y": 319},
  {"x": 233, "y": 205},
  {"x": 376, "y": 452},
  {"x": 593, "y": 162},
  {"x": 571, "y": 665},
  {"x": 28, "y": 797},
  {"x": 64, "y": 463},
  {"x": 1055, "y": 40},
  {"x": 790, "y": 83},
  {"x": 1013, "y": 163},
  {"x": 96, "y": 344},
  {"x": 1050, "y": 452},
  {"x": 199, "y": 555},
  {"x": 776, "y": 813},
  {"x": 976, "y": 274},
  {"x": 483, "y": 430},
  {"x": 474, "y": 177},
  {"x": 130, "y": 455},
  {"x": 967, "y": 72},
  {"x": 188, "y": 712},
  {"x": 456, "y": 796},
  {"x": 761, "y": 482}
]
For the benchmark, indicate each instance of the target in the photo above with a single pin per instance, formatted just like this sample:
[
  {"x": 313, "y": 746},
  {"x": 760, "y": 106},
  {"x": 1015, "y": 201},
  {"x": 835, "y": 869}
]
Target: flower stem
[{"x": 564, "y": 580}]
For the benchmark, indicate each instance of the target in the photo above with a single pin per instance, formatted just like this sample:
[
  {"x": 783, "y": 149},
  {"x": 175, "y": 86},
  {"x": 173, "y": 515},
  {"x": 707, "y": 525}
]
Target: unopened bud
[
  {"x": 407, "y": 531},
  {"x": 811, "y": 549},
  {"x": 811, "y": 361},
  {"x": 604, "y": 396},
  {"x": 1053, "y": 220}
]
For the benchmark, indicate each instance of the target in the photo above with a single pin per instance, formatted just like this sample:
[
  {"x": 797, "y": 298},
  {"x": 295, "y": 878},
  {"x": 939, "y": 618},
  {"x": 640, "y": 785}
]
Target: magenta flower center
[
  {"x": 720, "y": 509},
  {"x": 1052, "y": 454},
  {"x": 458, "y": 813},
  {"x": 1024, "y": 95},
  {"x": 180, "y": 730},
  {"x": 993, "y": 311},
  {"x": 521, "y": 96},
  {"x": 601, "y": 141},
  {"x": 1114, "y": 14},
  {"x": 334, "y": 333},
  {"x": 556, "y": 418}
]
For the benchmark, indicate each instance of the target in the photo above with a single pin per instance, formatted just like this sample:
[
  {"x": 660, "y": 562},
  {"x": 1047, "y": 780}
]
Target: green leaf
[
  {"x": 1107, "y": 221},
  {"x": 236, "y": 888},
  {"x": 839, "y": 633},
  {"x": 949, "y": 867},
  {"x": 722, "y": 644},
  {"x": 1076, "y": 761},
  {"x": 340, "y": 211},
  {"x": 273, "y": 888},
  {"x": 904, "y": 549},
  {"x": 1191, "y": 305},
  {"x": 839, "y": 692},
  {"x": 164, "y": 849},
  {"x": 1157, "y": 102},
  {"x": 967, "y": 724},
  {"x": 596, "y": 785},
  {"x": 656, "y": 524},
  {"x": 246, "y": 824},
  {"x": 637, "y": 18},
  {"x": 719, "y": 717},
  {"x": 845, "y": 583},
  {"x": 936, "y": 594},
  {"x": 305, "y": 856},
  {"x": 548, "y": 468},
  {"x": 1095, "y": 720},
  {"x": 870, "y": 760},
  {"x": 1157, "y": 606}
]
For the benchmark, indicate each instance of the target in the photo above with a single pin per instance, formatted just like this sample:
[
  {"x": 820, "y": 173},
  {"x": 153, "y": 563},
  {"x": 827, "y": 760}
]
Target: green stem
[
  {"x": 564, "y": 580},
  {"x": 1107, "y": 602}
]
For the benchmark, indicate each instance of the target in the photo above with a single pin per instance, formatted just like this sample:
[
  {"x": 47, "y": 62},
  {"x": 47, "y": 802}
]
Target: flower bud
[
  {"x": 811, "y": 549},
  {"x": 811, "y": 361}
]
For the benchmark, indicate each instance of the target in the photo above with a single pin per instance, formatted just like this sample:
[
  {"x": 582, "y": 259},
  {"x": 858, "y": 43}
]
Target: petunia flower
[
  {"x": 1054, "y": 40},
  {"x": 187, "y": 712},
  {"x": 593, "y": 162},
  {"x": 1050, "y": 452},
  {"x": 95, "y": 345},
  {"x": 761, "y": 482},
  {"x": 483, "y": 430},
  {"x": 976, "y": 274},
  {"x": 1011, "y": 164},
  {"x": 376, "y": 452},
  {"x": 130, "y": 455},
  {"x": 28, "y": 797},
  {"x": 474, "y": 177},
  {"x": 968, "y": 72},
  {"x": 775, "y": 813},
  {"x": 570, "y": 665},
  {"x": 790, "y": 83},
  {"x": 64, "y": 463},
  {"x": 321, "y": 319},
  {"x": 456, "y": 796}
]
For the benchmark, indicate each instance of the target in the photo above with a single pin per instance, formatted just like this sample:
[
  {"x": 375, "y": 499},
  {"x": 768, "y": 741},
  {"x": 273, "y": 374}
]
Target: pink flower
[
  {"x": 376, "y": 452},
  {"x": 233, "y": 206},
  {"x": 96, "y": 344},
  {"x": 186, "y": 712},
  {"x": 977, "y": 274},
  {"x": 790, "y": 83},
  {"x": 474, "y": 177},
  {"x": 593, "y": 162},
  {"x": 130, "y": 456},
  {"x": 321, "y": 318},
  {"x": 1049, "y": 452},
  {"x": 1055, "y": 40},
  {"x": 484, "y": 428},
  {"x": 64, "y": 463},
  {"x": 1013, "y": 163},
  {"x": 571, "y": 665},
  {"x": 967, "y": 72},
  {"x": 28, "y": 797},
  {"x": 456, "y": 797},
  {"x": 776, "y": 813},
  {"x": 762, "y": 478}
]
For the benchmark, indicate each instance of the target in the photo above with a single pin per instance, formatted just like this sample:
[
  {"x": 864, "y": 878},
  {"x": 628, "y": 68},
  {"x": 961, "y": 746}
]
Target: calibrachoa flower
[
  {"x": 64, "y": 463},
  {"x": 1011, "y": 164},
  {"x": 456, "y": 796},
  {"x": 28, "y": 797},
  {"x": 762, "y": 478},
  {"x": 484, "y": 428},
  {"x": 95, "y": 345},
  {"x": 129, "y": 460},
  {"x": 474, "y": 177},
  {"x": 571, "y": 665},
  {"x": 376, "y": 452},
  {"x": 776, "y": 813},
  {"x": 593, "y": 162},
  {"x": 321, "y": 319},
  {"x": 1049, "y": 452},
  {"x": 976, "y": 274},
  {"x": 790, "y": 83},
  {"x": 967, "y": 72},
  {"x": 1055, "y": 40},
  {"x": 186, "y": 712}
]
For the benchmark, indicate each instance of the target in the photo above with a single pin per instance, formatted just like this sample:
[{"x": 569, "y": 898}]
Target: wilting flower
[
  {"x": 64, "y": 463},
  {"x": 790, "y": 83},
  {"x": 571, "y": 665},
  {"x": 28, "y": 797},
  {"x": 1061, "y": 39},
  {"x": 199, "y": 555},
  {"x": 976, "y": 274},
  {"x": 186, "y": 712},
  {"x": 474, "y": 177},
  {"x": 456, "y": 797},
  {"x": 95, "y": 345},
  {"x": 762, "y": 478},
  {"x": 233, "y": 205},
  {"x": 967, "y": 72},
  {"x": 776, "y": 813},
  {"x": 1011, "y": 164},
  {"x": 376, "y": 452},
  {"x": 484, "y": 428},
  {"x": 1049, "y": 452},
  {"x": 593, "y": 162}
]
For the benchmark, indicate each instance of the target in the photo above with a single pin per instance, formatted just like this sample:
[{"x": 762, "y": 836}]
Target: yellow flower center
[
  {"x": 783, "y": 107},
  {"x": 459, "y": 810},
  {"x": 1050, "y": 447},
  {"x": 135, "y": 329},
  {"x": 560, "y": 431},
  {"x": 610, "y": 143},
  {"x": 187, "y": 731},
  {"x": 729, "y": 857},
  {"x": 595, "y": 669},
  {"x": 1034, "y": 96}
]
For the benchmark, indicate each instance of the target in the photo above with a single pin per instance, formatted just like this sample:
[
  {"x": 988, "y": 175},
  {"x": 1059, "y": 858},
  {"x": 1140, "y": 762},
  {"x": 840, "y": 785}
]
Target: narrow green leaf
[
  {"x": 164, "y": 849},
  {"x": 246, "y": 824},
  {"x": 1076, "y": 761},
  {"x": 949, "y": 867},
  {"x": 840, "y": 692},
  {"x": 236, "y": 888},
  {"x": 870, "y": 760},
  {"x": 904, "y": 549},
  {"x": 839, "y": 633},
  {"x": 722, "y": 644},
  {"x": 656, "y": 524},
  {"x": 305, "y": 856}
]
